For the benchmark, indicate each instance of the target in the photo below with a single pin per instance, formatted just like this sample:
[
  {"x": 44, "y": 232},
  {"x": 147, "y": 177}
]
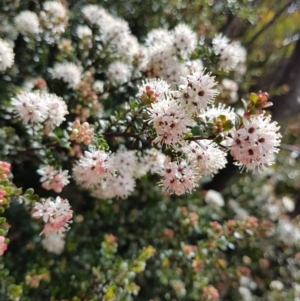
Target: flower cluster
[
  {"x": 56, "y": 215},
  {"x": 163, "y": 48},
  {"x": 36, "y": 107},
  {"x": 7, "y": 55},
  {"x": 69, "y": 73},
  {"x": 52, "y": 178},
  {"x": 27, "y": 23},
  {"x": 231, "y": 54},
  {"x": 178, "y": 177},
  {"x": 254, "y": 144},
  {"x": 53, "y": 20},
  {"x": 114, "y": 176},
  {"x": 93, "y": 168}
]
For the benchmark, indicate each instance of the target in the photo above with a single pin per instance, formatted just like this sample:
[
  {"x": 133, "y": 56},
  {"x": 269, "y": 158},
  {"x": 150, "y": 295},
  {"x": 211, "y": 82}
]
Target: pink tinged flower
[
  {"x": 153, "y": 90},
  {"x": 210, "y": 293},
  {"x": 253, "y": 146},
  {"x": 56, "y": 215},
  {"x": 44, "y": 210},
  {"x": 178, "y": 177},
  {"x": 3, "y": 246},
  {"x": 53, "y": 179},
  {"x": 93, "y": 168}
]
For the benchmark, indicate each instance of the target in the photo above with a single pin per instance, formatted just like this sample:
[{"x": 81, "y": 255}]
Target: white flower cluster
[
  {"x": 53, "y": 179},
  {"x": 56, "y": 215},
  {"x": 53, "y": 20},
  {"x": 36, "y": 107},
  {"x": 118, "y": 73},
  {"x": 27, "y": 23},
  {"x": 231, "y": 54},
  {"x": 254, "y": 144},
  {"x": 206, "y": 157},
  {"x": 163, "y": 49},
  {"x": 114, "y": 34},
  {"x": 54, "y": 243},
  {"x": 288, "y": 232},
  {"x": 68, "y": 73},
  {"x": 114, "y": 176},
  {"x": 7, "y": 55}
]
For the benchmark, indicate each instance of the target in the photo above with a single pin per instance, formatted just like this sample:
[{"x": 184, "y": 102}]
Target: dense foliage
[{"x": 114, "y": 139}]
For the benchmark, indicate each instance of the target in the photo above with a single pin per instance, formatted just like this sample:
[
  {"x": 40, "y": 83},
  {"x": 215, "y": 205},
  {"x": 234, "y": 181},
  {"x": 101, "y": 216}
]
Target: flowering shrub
[{"x": 109, "y": 131}]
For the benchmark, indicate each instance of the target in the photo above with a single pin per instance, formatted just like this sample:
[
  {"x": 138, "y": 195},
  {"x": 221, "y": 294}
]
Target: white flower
[
  {"x": 288, "y": 204},
  {"x": 231, "y": 54},
  {"x": 197, "y": 91},
  {"x": 27, "y": 23},
  {"x": 54, "y": 243},
  {"x": 219, "y": 42},
  {"x": 7, "y": 55},
  {"x": 67, "y": 72},
  {"x": 169, "y": 120},
  {"x": 57, "y": 110},
  {"x": 206, "y": 156},
  {"x": 184, "y": 40},
  {"x": 158, "y": 36},
  {"x": 173, "y": 70},
  {"x": 125, "y": 162},
  {"x": 122, "y": 185},
  {"x": 276, "y": 285},
  {"x": 44, "y": 209},
  {"x": 210, "y": 113},
  {"x": 153, "y": 89},
  {"x": 31, "y": 107},
  {"x": 152, "y": 161},
  {"x": 55, "y": 11},
  {"x": 84, "y": 32},
  {"x": 195, "y": 66},
  {"x": 118, "y": 73},
  {"x": 245, "y": 293},
  {"x": 95, "y": 14},
  {"x": 53, "y": 20},
  {"x": 214, "y": 197},
  {"x": 288, "y": 233},
  {"x": 93, "y": 168},
  {"x": 159, "y": 57}
]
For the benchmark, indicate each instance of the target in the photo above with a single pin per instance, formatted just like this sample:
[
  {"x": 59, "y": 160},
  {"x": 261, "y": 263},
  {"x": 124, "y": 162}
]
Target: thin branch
[
  {"x": 277, "y": 15},
  {"x": 293, "y": 148}
]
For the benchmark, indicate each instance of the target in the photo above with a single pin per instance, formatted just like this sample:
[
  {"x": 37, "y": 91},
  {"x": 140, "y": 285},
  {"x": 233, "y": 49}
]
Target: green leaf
[
  {"x": 29, "y": 193},
  {"x": 196, "y": 131}
]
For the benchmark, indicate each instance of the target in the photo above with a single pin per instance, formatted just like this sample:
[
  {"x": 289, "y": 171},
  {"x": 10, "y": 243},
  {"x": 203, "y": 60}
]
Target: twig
[{"x": 277, "y": 15}]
